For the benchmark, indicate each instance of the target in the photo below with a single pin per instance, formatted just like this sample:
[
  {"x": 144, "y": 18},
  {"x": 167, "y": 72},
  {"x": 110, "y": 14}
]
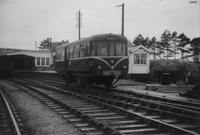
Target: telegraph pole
[
  {"x": 79, "y": 25},
  {"x": 122, "y": 18},
  {"x": 122, "y": 5},
  {"x": 35, "y": 45}
]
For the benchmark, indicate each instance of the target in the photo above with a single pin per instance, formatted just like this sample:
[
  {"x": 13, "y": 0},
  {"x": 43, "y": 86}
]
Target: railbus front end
[{"x": 98, "y": 59}]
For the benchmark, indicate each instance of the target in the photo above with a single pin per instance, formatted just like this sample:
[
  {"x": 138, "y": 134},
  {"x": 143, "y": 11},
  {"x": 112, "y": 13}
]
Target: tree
[
  {"x": 159, "y": 49},
  {"x": 146, "y": 42},
  {"x": 195, "y": 44},
  {"x": 153, "y": 45},
  {"x": 174, "y": 41},
  {"x": 165, "y": 41},
  {"x": 45, "y": 44},
  {"x": 49, "y": 45},
  {"x": 183, "y": 41},
  {"x": 139, "y": 40}
]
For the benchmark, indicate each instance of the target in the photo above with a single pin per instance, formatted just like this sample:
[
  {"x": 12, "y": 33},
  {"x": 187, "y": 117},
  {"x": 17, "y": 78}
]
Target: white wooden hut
[{"x": 139, "y": 60}]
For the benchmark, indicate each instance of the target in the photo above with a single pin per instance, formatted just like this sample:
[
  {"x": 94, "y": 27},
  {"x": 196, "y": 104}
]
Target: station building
[{"x": 31, "y": 60}]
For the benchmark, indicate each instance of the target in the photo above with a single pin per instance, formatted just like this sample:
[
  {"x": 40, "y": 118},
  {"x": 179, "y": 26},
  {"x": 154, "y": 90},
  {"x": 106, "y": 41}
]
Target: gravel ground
[{"x": 38, "y": 118}]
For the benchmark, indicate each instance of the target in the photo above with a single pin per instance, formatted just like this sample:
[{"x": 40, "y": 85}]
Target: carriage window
[
  {"x": 140, "y": 58},
  {"x": 102, "y": 49}
]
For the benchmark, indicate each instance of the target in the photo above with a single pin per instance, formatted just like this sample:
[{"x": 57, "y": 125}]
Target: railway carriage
[{"x": 98, "y": 59}]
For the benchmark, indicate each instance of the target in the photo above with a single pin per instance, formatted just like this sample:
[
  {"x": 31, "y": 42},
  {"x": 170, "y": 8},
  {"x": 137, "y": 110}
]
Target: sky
[{"x": 24, "y": 23}]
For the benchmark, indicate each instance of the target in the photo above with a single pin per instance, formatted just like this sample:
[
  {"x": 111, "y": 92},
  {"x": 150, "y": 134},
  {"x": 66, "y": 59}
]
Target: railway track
[
  {"x": 10, "y": 122},
  {"x": 187, "y": 104},
  {"x": 119, "y": 117}
]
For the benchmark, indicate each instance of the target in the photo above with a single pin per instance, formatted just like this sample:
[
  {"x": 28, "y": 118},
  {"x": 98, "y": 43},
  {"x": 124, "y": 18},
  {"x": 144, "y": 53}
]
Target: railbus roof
[{"x": 98, "y": 37}]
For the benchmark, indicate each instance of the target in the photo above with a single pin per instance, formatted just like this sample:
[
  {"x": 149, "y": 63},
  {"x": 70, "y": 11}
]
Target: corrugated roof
[{"x": 32, "y": 53}]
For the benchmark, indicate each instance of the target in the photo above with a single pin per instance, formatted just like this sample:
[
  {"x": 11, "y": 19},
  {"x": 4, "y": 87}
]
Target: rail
[{"x": 11, "y": 114}]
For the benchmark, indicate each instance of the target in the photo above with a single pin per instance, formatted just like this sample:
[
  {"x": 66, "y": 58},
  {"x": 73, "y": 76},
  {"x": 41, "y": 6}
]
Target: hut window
[
  {"x": 43, "y": 61},
  {"x": 38, "y": 61},
  {"x": 140, "y": 58},
  {"x": 47, "y": 61}
]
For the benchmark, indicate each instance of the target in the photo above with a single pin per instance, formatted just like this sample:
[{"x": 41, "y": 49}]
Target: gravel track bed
[{"x": 37, "y": 118}]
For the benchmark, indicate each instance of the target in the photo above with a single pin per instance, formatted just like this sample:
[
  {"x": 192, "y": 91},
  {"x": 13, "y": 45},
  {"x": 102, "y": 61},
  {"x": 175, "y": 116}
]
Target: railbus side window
[
  {"x": 87, "y": 49},
  {"x": 74, "y": 52},
  {"x": 92, "y": 49},
  {"x": 68, "y": 52},
  {"x": 77, "y": 52},
  {"x": 62, "y": 54},
  {"x": 58, "y": 55},
  {"x": 65, "y": 52},
  {"x": 82, "y": 50},
  {"x": 71, "y": 52}
]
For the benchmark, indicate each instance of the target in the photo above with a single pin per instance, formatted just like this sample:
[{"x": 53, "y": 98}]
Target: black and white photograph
[{"x": 99, "y": 67}]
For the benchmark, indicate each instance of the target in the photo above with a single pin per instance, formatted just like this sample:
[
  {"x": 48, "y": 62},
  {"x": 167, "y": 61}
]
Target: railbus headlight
[{"x": 99, "y": 67}]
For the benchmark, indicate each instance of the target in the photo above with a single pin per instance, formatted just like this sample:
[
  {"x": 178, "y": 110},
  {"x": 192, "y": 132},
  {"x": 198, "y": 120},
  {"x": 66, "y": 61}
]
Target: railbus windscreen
[{"x": 102, "y": 48}]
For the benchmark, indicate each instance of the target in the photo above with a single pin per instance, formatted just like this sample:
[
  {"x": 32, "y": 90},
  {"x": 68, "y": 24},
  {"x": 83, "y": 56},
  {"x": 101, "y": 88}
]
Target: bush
[{"x": 178, "y": 70}]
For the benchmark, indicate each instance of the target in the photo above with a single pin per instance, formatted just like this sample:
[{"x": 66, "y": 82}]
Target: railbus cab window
[
  {"x": 101, "y": 48},
  {"x": 112, "y": 49},
  {"x": 120, "y": 49},
  {"x": 140, "y": 58}
]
